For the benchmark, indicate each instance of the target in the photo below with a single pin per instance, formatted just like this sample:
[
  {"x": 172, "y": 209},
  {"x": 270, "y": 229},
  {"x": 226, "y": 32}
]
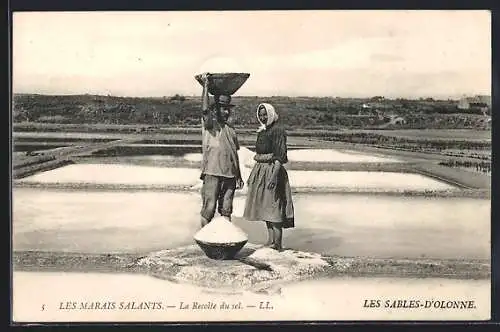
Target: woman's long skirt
[{"x": 272, "y": 205}]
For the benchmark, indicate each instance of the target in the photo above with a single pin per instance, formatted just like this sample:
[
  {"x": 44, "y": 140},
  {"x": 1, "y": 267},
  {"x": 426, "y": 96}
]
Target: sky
[{"x": 287, "y": 53}]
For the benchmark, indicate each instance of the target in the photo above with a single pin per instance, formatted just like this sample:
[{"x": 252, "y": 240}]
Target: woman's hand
[
  {"x": 272, "y": 183},
  {"x": 274, "y": 177}
]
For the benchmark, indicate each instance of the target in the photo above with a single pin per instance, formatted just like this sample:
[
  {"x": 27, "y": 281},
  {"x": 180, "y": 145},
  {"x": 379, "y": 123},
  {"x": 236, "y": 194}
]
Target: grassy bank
[
  {"x": 437, "y": 134},
  {"x": 296, "y": 112}
]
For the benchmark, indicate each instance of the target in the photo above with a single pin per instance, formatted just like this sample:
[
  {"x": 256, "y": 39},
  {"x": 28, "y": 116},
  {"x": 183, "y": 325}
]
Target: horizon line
[{"x": 435, "y": 97}]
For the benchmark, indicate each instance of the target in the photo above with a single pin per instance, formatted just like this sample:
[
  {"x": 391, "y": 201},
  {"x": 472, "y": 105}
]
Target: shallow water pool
[
  {"x": 323, "y": 155},
  {"x": 332, "y": 224},
  {"x": 116, "y": 174},
  {"x": 193, "y": 153}
]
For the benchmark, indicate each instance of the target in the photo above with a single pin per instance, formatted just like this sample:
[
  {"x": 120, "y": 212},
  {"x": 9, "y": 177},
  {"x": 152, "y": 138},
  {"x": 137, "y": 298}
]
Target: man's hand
[
  {"x": 204, "y": 77},
  {"x": 239, "y": 183}
]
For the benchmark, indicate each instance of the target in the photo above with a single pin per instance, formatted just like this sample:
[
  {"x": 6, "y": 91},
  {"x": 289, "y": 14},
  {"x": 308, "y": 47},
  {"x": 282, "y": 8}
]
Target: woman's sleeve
[{"x": 279, "y": 145}]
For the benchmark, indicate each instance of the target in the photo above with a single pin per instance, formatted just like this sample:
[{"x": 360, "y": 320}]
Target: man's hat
[{"x": 224, "y": 100}]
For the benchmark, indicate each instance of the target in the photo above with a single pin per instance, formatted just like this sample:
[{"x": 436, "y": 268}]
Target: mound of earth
[{"x": 254, "y": 268}]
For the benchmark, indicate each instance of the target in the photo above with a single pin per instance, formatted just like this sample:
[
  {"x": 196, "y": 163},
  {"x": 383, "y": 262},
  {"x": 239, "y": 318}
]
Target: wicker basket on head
[{"x": 224, "y": 83}]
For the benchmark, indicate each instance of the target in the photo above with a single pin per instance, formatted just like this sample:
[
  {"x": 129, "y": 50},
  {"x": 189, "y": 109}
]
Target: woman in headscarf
[{"x": 269, "y": 196}]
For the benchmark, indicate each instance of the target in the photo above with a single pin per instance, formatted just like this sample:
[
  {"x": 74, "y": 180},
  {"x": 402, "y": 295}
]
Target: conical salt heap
[{"x": 221, "y": 239}]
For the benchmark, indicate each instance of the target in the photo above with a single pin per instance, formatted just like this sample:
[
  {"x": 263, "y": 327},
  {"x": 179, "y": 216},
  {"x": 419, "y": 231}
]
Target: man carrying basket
[{"x": 220, "y": 168}]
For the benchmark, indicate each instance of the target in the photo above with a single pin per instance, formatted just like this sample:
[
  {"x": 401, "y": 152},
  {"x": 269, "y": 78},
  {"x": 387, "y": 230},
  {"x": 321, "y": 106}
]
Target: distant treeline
[{"x": 295, "y": 112}]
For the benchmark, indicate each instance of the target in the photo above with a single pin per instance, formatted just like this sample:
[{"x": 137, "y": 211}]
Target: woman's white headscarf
[{"x": 272, "y": 116}]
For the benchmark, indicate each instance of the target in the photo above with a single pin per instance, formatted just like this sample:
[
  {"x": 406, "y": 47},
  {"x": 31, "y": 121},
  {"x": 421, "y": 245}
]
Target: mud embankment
[{"x": 168, "y": 264}]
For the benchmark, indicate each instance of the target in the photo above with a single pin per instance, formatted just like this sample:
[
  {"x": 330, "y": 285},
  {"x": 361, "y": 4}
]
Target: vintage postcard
[{"x": 251, "y": 166}]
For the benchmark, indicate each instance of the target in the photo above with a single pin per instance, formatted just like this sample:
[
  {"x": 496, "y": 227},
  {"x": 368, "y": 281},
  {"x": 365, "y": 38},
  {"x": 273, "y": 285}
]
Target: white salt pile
[{"x": 220, "y": 230}]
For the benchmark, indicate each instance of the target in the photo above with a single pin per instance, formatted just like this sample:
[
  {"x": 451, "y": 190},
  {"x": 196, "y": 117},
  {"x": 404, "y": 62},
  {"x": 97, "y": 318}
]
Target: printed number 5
[{"x": 43, "y": 307}]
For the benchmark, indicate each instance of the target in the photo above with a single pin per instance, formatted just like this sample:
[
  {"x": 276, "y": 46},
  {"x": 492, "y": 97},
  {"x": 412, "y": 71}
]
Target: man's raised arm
[
  {"x": 206, "y": 118},
  {"x": 204, "y": 97}
]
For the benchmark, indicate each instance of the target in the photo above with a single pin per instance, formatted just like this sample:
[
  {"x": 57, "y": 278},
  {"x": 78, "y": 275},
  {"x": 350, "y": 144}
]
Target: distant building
[
  {"x": 482, "y": 103},
  {"x": 376, "y": 105}
]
